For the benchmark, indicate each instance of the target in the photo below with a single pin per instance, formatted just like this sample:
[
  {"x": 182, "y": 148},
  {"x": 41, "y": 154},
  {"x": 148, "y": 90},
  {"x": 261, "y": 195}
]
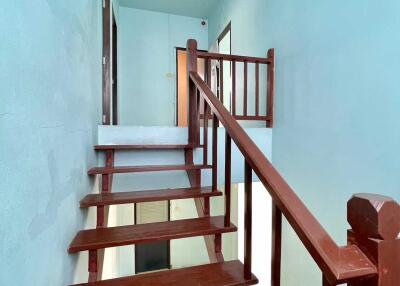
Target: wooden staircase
[
  {"x": 95, "y": 240},
  {"x": 369, "y": 258}
]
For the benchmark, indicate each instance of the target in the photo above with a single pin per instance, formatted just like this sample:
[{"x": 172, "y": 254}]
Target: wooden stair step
[
  {"x": 106, "y": 199},
  {"x": 117, "y": 147},
  {"x": 125, "y": 235},
  {"x": 148, "y": 168},
  {"x": 216, "y": 274}
]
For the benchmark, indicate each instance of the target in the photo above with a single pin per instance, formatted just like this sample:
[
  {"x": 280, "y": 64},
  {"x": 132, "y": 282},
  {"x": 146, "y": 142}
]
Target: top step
[{"x": 143, "y": 147}]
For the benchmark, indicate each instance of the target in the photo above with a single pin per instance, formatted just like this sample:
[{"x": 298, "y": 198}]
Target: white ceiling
[{"x": 191, "y": 8}]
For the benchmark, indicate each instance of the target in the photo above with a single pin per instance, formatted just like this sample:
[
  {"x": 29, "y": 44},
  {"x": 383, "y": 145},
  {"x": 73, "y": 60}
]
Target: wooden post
[
  {"x": 215, "y": 154},
  {"x": 375, "y": 222},
  {"x": 193, "y": 114},
  {"x": 245, "y": 88},
  {"x": 270, "y": 88},
  {"x": 257, "y": 86},
  {"x": 96, "y": 257},
  {"x": 233, "y": 88}
]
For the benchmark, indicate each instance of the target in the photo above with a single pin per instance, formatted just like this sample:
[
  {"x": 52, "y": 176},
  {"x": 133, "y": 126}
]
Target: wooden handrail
[
  {"x": 226, "y": 57},
  {"x": 338, "y": 264}
]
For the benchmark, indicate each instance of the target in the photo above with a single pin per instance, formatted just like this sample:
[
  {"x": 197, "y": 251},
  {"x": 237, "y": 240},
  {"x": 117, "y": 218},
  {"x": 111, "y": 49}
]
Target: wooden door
[{"x": 182, "y": 98}]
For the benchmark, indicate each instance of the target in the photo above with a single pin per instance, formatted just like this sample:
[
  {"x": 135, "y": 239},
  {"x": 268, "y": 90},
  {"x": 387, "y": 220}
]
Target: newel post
[
  {"x": 375, "y": 222},
  {"x": 193, "y": 113}
]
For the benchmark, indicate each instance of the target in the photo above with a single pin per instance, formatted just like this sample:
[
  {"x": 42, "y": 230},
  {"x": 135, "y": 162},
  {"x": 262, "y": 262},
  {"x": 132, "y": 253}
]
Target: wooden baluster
[
  {"x": 215, "y": 154},
  {"x": 205, "y": 150},
  {"x": 248, "y": 189},
  {"x": 221, "y": 80},
  {"x": 208, "y": 81},
  {"x": 205, "y": 133},
  {"x": 194, "y": 124},
  {"x": 270, "y": 88},
  {"x": 257, "y": 75},
  {"x": 228, "y": 154},
  {"x": 245, "y": 89},
  {"x": 375, "y": 222},
  {"x": 233, "y": 88},
  {"x": 276, "y": 245}
]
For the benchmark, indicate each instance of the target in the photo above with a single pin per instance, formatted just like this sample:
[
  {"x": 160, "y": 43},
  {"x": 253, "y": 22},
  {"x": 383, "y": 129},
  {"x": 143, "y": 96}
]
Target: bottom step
[{"x": 217, "y": 274}]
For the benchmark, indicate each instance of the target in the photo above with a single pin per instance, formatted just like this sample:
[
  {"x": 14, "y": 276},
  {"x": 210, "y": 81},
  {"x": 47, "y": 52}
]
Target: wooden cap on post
[
  {"x": 374, "y": 216},
  {"x": 191, "y": 47}
]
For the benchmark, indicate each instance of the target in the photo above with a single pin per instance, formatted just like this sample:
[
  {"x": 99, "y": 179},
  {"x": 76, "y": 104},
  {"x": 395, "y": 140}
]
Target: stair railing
[{"x": 372, "y": 256}]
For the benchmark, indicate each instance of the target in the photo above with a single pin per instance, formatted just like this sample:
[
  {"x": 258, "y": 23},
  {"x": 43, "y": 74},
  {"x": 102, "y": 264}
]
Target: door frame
[
  {"x": 106, "y": 66},
  {"x": 114, "y": 76},
  {"x": 109, "y": 18},
  {"x": 227, "y": 29}
]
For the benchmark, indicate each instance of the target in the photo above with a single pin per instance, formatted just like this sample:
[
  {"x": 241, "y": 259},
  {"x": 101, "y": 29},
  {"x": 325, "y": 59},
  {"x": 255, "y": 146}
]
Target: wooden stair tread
[
  {"x": 216, "y": 274},
  {"x": 142, "y": 147},
  {"x": 146, "y": 196},
  {"x": 146, "y": 168},
  {"x": 125, "y": 235}
]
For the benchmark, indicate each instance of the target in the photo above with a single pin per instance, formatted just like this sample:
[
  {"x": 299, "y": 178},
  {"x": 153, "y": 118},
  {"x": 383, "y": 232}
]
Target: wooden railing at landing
[
  {"x": 246, "y": 112},
  {"x": 372, "y": 256}
]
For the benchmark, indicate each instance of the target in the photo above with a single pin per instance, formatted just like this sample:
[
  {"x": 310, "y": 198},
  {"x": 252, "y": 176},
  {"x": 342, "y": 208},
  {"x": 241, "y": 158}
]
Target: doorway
[{"x": 181, "y": 85}]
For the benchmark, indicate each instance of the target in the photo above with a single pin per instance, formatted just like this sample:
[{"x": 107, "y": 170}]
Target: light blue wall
[
  {"x": 337, "y": 103},
  {"x": 147, "y": 85},
  {"x": 50, "y": 86}
]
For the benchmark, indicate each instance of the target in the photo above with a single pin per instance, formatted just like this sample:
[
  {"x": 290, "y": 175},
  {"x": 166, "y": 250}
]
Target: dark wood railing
[
  {"x": 245, "y": 113},
  {"x": 372, "y": 256}
]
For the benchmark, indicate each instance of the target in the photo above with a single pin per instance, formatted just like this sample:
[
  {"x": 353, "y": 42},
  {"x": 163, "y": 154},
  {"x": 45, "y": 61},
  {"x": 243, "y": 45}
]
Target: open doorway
[
  {"x": 114, "y": 79},
  {"x": 181, "y": 85}
]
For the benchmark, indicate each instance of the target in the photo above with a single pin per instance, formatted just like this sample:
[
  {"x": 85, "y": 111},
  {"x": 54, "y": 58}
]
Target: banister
[
  {"x": 227, "y": 57},
  {"x": 338, "y": 264}
]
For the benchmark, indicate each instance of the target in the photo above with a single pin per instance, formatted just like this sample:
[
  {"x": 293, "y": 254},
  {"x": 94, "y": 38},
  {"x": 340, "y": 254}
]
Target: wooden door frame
[
  {"x": 177, "y": 49},
  {"x": 227, "y": 29},
  {"x": 106, "y": 66},
  {"x": 114, "y": 56}
]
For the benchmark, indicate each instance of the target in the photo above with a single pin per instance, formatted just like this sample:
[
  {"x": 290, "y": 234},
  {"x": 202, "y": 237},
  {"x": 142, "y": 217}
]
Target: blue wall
[
  {"x": 50, "y": 86},
  {"x": 337, "y": 104},
  {"x": 147, "y": 85}
]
